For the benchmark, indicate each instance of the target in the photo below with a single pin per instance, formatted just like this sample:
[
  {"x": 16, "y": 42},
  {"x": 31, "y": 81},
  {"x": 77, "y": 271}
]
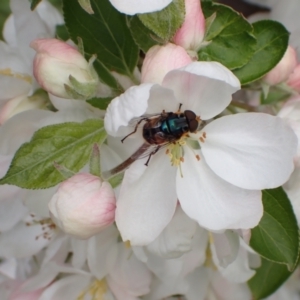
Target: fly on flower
[{"x": 158, "y": 131}]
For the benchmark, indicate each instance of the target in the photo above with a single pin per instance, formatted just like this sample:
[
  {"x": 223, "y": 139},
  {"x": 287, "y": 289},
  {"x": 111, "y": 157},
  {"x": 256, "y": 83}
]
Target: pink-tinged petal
[
  {"x": 203, "y": 87},
  {"x": 191, "y": 33},
  {"x": 250, "y": 150},
  {"x": 214, "y": 203},
  {"x": 294, "y": 79},
  {"x": 147, "y": 204},
  {"x": 59, "y": 50},
  {"x": 132, "y": 7},
  {"x": 160, "y": 60},
  {"x": 283, "y": 69},
  {"x": 132, "y": 104}
]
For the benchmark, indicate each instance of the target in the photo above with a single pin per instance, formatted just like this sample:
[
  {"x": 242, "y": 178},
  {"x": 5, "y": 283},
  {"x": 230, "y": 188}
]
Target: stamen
[
  {"x": 47, "y": 227},
  {"x": 97, "y": 289}
]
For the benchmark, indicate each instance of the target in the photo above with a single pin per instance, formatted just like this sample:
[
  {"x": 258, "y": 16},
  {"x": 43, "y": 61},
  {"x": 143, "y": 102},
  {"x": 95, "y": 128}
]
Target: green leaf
[
  {"x": 62, "y": 32},
  {"x": 275, "y": 95},
  {"x": 100, "y": 103},
  {"x": 4, "y": 13},
  {"x": 272, "y": 41},
  {"x": 268, "y": 278},
  {"x": 67, "y": 144},
  {"x": 164, "y": 23},
  {"x": 95, "y": 168},
  {"x": 143, "y": 36},
  {"x": 105, "y": 33},
  {"x": 86, "y": 5},
  {"x": 34, "y": 4},
  {"x": 276, "y": 237},
  {"x": 116, "y": 180},
  {"x": 229, "y": 36}
]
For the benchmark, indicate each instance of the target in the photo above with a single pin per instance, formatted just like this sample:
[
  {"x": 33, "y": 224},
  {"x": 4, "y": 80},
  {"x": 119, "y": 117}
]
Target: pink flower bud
[
  {"x": 294, "y": 79},
  {"x": 83, "y": 205},
  {"x": 283, "y": 69},
  {"x": 160, "y": 60},
  {"x": 191, "y": 33},
  {"x": 55, "y": 61}
]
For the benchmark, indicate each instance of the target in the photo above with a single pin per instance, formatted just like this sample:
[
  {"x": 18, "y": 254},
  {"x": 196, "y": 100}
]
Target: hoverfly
[{"x": 160, "y": 130}]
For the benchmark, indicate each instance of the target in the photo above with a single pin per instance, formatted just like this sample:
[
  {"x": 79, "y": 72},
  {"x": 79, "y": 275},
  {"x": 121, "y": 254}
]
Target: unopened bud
[
  {"x": 62, "y": 71},
  {"x": 83, "y": 205},
  {"x": 190, "y": 35},
  {"x": 160, "y": 60}
]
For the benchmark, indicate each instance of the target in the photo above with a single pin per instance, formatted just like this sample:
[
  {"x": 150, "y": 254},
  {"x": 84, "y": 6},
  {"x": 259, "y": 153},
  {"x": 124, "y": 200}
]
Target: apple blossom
[
  {"x": 283, "y": 69},
  {"x": 191, "y": 33},
  {"x": 173, "y": 57},
  {"x": 62, "y": 71},
  {"x": 218, "y": 180},
  {"x": 132, "y": 7},
  {"x": 83, "y": 205}
]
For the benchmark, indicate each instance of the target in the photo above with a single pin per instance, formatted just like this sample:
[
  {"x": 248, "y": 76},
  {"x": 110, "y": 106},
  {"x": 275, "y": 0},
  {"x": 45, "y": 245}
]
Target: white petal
[
  {"x": 37, "y": 201},
  {"x": 44, "y": 277},
  {"x": 250, "y": 150},
  {"x": 146, "y": 205},
  {"x": 58, "y": 250},
  {"x": 50, "y": 15},
  {"x": 203, "y": 87},
  {"x": 214, "y": 203},
  {"x": 12, "y": 209},
  {"x": 69, "y": 287},
  {"x": 9, "y": 31},
  {"x": 79, "y": 249},
  {"x": 132, "y": 104},
  {"x": 22, "y": 241},
  {"x": 138, "y": 283},
  {"x": 239, "y": 271},
  {"x": 199, "y": 283},
  {"x": 225, "y": 246},
  {"x": 176, "y": 239},
  {"x": 161, "y": 99},
  {"x": 98, "y": 250},
  {"x": 131, "y": 7},
  {"x": 227, "y": 290}
]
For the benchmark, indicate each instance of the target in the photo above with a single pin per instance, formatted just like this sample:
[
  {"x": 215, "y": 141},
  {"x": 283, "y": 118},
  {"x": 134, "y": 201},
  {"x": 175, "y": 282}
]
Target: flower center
[{"x": 97, "y": 289}]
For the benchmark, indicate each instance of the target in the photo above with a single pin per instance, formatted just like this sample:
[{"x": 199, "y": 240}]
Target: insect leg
[
  {"x": 152, "y": 153},
  {"x": 135, "y": 129},
  {"x": 179, "y": 108}
]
